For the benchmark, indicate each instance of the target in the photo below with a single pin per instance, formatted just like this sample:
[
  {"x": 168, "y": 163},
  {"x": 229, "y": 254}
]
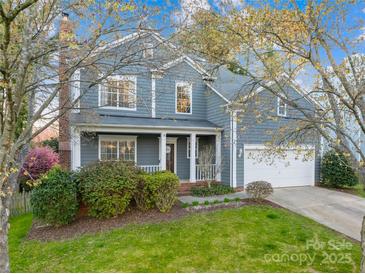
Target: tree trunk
[
  {"x": 4, "y": 227},
  {"x": 362, "y": 176}
]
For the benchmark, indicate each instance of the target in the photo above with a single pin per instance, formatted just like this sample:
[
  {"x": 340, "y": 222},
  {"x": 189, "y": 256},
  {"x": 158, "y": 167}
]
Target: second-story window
[
  {"x": 183, "y": 97},
  {"x": 147, "y": 50},
  {"x": 119, "y": 92},
  {"x": 281, "y": 108}
]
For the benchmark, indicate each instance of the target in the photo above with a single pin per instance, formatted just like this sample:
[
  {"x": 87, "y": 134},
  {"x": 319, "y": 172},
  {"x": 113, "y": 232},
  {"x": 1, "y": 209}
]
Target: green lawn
[
  {"x": 230, "y": 240},
  {"x": 359, "y": 190}
]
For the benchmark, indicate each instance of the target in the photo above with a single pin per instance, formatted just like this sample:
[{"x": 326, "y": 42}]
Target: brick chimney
[{"x": 66, "y": 29}]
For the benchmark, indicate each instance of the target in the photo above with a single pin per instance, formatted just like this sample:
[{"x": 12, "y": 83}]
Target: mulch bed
[{"x": 88, "y": 225}]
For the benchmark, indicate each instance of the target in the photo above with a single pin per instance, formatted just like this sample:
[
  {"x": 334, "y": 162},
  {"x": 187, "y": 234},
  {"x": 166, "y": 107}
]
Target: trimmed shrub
[
  {"x": 143, "y": 194},
  {"x": 337, "y": 171},
  {"x": 162, "y": 189},
  {"x": 54, "y": 198},
  {"x": 37, "y": 162},
  {"x": 107, "y": 187},
  {"x": 215, "y": 189},
  {"x": 259, "y": 190}
]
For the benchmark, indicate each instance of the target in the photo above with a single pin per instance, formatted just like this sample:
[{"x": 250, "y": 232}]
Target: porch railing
[
  {"x": 150, "y": 168},
  {"x": 205, "y": 172}
]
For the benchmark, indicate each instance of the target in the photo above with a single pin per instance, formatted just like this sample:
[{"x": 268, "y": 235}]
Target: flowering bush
[{"x": 38, "y": 161}]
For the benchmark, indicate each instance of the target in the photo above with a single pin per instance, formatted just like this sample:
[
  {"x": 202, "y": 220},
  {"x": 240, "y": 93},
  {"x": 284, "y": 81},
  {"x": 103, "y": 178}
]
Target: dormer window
[
  {"x": 183, "y": 97},
  {"x": 119, "y": 92},
  {"x": 281, "y": 108},
  {"x": 147, "y": 50}
]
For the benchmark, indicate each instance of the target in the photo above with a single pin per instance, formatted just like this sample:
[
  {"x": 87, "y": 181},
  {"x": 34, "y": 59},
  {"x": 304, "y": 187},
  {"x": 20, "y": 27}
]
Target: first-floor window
[
  {"x": 108, "y": 150},
  {"x": 118, "y": 148}
]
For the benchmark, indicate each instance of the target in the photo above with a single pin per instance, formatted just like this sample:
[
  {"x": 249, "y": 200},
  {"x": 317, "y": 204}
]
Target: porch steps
[{"x": 185, "y": 187}]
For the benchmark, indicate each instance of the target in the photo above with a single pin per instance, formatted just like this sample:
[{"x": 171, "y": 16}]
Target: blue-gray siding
[
  {"x": 166, "y": 93},
  {"x": 217, "y": 114}
]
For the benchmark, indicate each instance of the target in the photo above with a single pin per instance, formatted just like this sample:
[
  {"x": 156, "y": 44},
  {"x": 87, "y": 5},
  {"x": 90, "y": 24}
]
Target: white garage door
[{"x": 293, "y": 170}]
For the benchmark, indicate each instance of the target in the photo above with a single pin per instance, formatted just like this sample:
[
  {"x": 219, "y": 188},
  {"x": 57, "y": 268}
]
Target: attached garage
[{"x": 293, "y": 169}]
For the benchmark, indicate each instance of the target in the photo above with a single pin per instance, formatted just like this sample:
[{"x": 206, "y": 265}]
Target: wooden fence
[{"x": 20, "y": 203}]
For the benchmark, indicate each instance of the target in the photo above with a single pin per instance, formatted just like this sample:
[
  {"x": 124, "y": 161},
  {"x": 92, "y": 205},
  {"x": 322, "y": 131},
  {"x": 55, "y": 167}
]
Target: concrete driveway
[{"x": 340, "y": 211}]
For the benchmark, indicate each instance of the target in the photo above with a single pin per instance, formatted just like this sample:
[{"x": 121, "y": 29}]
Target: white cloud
[{"x": 363, "y": 10}]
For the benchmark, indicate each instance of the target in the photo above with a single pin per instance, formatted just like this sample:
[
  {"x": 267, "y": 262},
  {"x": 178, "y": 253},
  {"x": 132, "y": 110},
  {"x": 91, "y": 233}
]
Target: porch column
[
  {"x": 218, "y": 156},
  {"x": 75, "y": 148},
  {"x": 192, "y": 158},
  {"x": 163, "y": 151}
]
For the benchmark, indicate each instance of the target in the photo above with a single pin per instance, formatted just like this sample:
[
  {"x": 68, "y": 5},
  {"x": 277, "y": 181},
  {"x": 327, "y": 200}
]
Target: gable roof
[
  {"x": 227, "y": 85},
  {"x": 177, "y": 61}
]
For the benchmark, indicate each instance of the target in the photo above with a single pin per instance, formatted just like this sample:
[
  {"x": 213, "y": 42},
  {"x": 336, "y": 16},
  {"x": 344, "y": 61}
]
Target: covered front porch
[{"x": 194, "y": 156}]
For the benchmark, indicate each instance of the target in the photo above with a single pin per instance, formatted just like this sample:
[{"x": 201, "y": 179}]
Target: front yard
[{"x": 247, "y": 239}]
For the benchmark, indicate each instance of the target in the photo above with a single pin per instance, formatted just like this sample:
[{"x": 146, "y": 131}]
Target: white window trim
[
  {"x": 120, "y": 77},
  {"x": 169, "y": 140},
  {"x": 278, "y": 108},
  {"x": 183, "y": 83},
  {"x": 146, "y": 47},
  {"x": 188, "y": 148},
  {"x": 173, "y": 141},
  {"x": 117, "y": 138},
  {"x": 75, "y": 90}
]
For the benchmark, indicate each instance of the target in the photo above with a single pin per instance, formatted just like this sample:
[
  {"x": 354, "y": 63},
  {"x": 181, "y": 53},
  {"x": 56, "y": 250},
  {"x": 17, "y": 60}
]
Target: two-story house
[{"x": 163, "y": 116}]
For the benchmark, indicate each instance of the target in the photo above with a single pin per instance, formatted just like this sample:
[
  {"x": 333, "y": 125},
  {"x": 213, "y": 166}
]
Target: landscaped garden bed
[{"x": 84, "y": 224}]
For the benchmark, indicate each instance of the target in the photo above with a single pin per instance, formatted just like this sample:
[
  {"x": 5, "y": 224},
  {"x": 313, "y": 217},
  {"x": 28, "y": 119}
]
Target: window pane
[
  {"x": 281, "y": 107},
  {"x": 108, "y": 150},
  {"x": 127, "y": 150},
  {"x": 109, "y": 94},
  {"x": 183, "y": 103},
  {"x": 127, "y": 96}
]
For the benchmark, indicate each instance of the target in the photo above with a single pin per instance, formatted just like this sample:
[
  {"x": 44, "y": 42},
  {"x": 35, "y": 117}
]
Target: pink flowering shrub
[{"x": 38, "y": 161}]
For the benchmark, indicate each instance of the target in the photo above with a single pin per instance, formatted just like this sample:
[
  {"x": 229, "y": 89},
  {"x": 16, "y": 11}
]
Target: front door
[{"x": 170, "y": 157}]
